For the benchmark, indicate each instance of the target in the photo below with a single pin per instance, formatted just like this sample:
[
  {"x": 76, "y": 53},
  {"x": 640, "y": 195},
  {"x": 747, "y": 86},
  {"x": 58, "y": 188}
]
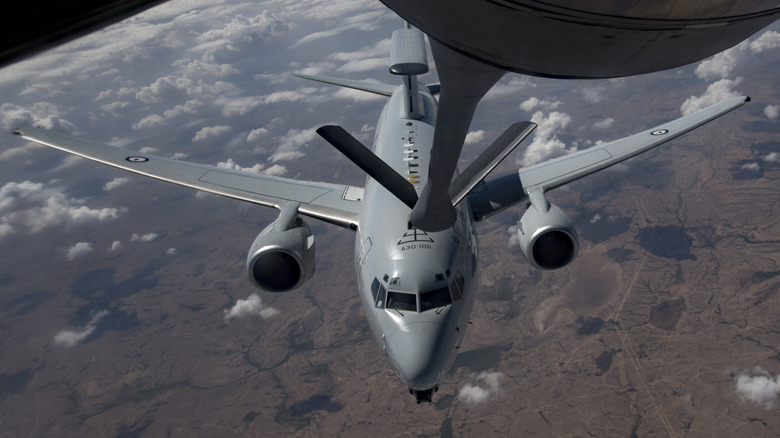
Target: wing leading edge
[
  {"x": 502, "y": 192},
  {"x": 337, "y": 204}
]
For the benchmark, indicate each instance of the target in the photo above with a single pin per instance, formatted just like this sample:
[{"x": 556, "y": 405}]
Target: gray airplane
[{"x": 416, "y": 267}]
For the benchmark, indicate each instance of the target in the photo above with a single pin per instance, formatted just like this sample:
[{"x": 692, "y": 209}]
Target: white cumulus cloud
[
  {"x": 31, "y": 205},
  {"x": 252, "y": 306},
  {"x": 772, "y": 157},
  {"x": 721, "y": 65},
  {"x": 605, "y": 124},
  {"x": 534, "y": 103},
  {"x": 475, "y": 137},
  {"x": 486, "y": 385},
  {"x": 768, "y": 40},
  {"x": 716, "y": 92},
  {"x": 772, "y": 111},
  {"x": 69, "y": 338},
  {"x": 148, "y": 237},
  {"x": 291, "y": 143},
  {"x": 78, "y": 250},
  {"x": 546, "y": 143},
  {"x": 116, "y": 182},
  {"x": 209, "y": 132},
  {"x": 758, "y": 386}
]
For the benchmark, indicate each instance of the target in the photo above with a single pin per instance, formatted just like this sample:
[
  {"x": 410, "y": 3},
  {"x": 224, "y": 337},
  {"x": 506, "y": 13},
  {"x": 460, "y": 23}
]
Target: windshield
[
  {"x": 435, "y": 298},
  {"x": 401, "y": 301}
]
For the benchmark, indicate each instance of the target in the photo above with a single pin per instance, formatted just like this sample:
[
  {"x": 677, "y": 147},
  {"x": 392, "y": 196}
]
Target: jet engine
[
  {"x": 282, "y": 256},
  {"x": 548, "y": 238}
]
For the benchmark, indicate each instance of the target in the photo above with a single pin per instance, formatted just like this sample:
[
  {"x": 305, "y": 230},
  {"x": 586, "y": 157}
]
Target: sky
[{"x": 211, "y": 82}]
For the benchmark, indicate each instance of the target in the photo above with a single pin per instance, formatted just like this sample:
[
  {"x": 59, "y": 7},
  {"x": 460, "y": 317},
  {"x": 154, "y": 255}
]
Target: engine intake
[
  {"x": 548, "y": 238},
  {"x": 282, "y": 256}
]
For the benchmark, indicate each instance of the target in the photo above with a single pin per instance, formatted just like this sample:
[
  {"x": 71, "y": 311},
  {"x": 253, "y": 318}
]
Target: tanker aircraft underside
[{"x": 415, "y": 245}]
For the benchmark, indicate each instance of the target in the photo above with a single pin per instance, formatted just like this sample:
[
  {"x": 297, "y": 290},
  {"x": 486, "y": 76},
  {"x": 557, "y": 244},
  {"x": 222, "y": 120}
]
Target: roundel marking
[
  {"x": 660, "y": 132},
  {"x": 136, "y": 159}
]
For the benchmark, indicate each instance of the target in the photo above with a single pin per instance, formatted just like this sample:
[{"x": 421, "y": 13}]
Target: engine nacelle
[
  {"x": 282, "y": 256},
  {"x": 548, "y": 238}
]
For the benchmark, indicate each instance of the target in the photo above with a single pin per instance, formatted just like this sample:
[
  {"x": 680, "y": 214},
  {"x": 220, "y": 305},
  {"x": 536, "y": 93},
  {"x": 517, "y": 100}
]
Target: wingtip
[
  {"x": 747, "y": 99},
  {"x": 18, "y": 132}
]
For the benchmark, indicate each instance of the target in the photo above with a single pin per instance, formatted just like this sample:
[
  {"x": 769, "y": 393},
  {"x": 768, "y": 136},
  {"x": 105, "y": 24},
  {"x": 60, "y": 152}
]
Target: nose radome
[{"x": 417, "y": 354}]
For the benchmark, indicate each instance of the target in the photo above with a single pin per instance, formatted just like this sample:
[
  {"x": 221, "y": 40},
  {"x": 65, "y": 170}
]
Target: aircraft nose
[{"x": 416, "y": 353}]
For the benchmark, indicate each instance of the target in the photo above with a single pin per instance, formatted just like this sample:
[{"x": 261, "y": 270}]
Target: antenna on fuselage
[{"x": 408, "y": 58}]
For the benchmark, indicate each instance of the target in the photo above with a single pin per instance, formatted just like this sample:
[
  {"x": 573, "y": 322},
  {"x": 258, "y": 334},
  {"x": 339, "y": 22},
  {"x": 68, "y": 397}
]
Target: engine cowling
[
  {"x": 282, "y": 256},
  {"x": 548, "y": 238}
]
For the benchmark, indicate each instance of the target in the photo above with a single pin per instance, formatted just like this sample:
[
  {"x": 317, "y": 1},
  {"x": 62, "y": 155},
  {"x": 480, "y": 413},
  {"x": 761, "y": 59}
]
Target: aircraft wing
[
  {"x": 502, "y": 192},
  {"x": 337, "y": 204}
]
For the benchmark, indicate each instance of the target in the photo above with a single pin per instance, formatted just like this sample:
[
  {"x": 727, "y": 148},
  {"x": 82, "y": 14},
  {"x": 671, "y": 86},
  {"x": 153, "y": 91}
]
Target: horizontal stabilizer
[
  {"x": 369, "y": 87},
  {"x": 370, "y": 163},
  {"x": 489, "y": 159}
]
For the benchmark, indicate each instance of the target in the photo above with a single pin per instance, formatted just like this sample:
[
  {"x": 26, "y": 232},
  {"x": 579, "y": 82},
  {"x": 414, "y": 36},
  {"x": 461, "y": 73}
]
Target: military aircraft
[{"x": 416, "y": 277}]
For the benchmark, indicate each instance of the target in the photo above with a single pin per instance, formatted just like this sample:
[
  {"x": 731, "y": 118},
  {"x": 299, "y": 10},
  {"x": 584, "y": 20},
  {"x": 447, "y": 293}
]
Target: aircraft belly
[{"x": 588, "y": 39}]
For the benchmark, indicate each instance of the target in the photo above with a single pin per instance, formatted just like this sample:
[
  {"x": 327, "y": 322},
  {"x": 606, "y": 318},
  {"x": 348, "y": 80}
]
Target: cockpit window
[
  {"x": 457, "y": 285},
  {"x": 436, "y": 298},
  {"x": 401, "y": 301},
  {"x": 378, "y": 291}
]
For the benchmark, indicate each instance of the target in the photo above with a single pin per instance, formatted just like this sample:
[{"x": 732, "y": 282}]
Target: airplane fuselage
[{"x": 415, "y": 286}]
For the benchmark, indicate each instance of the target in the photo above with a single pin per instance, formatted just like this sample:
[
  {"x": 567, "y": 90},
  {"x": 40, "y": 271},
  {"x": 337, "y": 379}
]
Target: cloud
[
  {"x": 772, "y": 157},
  {"x": 291, "y": 143},
  {"x": 230, "y": 164},
  {"x": 721, "y": 65},
  {"x": 546, "y": 143},
  {"x": 115, "y": 246},
  {"x": 18, "y": 153},
  {"x": 41, "y": 114},
  {"x": 31, "y": 205},
  {"x": 256, "y": 134},
  {"x": 605, "y": 124},
  {"x": 70, "y": 338},
  {"x": 188, "y": 108},
  {"x": 509, "y": 86},
  {"x": 164, "y": 88},
  {"x": 78, "y": 250},
  {"x": 534, "y": 103},
  {"x": 514, "y": 238},
  {"x": 716, "y": 92},
  {"x": 114, "y": 106},
  {"x": 148, "y": 237},
  {"x": 210, "y": 132},
  {"x": 171, "y": 252},
  {"x": 758, "y": 386},
  {"x": 475, "y": 137},
  {"x": 772, "y": 112},
  {"x": 368, "y": 58},
  {"x": 238, "y": 106},
  {"x": 116, "y": 182},
  {"x": 258, "y": 169},
  {"x": 275, "y": 170},
  {"x": 149, "y": 121},
  {"x": 768, "y": 40},
  {"x": 487, "y": 385},
  {"x": 751, "y": 166},
  {"x": 594, "y": 94},
  {"x": 252, "y": 306},
  {"x": 350, "y": 15}
]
